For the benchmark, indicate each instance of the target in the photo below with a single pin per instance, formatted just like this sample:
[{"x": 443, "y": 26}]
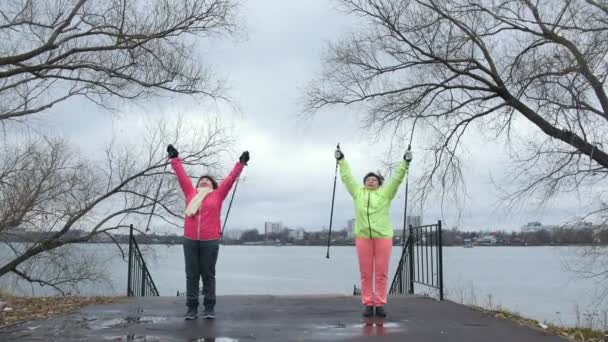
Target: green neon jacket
[{"x": 372, "y": 206}]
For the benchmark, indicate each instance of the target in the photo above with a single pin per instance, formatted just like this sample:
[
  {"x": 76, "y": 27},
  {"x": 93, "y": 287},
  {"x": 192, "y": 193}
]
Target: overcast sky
[{"x": 290, "y": 176}]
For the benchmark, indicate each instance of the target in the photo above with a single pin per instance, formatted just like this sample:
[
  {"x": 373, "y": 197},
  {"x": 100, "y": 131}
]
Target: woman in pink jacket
[{"x": 202, "y": 230}]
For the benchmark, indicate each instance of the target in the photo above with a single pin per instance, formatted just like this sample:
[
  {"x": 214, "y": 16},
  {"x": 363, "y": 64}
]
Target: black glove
[
  {"x": 338, "y": 154},
  {"x": 172, "y": 151},
  {"x": 408, "y": 156},
  {"x": 244, "y": 158}
]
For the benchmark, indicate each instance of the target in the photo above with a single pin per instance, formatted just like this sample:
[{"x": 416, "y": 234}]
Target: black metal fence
[
  {"x": 421, "y": 261},
  {"x": 401, "y": 280},
  {"x": 139, "y": 280}
]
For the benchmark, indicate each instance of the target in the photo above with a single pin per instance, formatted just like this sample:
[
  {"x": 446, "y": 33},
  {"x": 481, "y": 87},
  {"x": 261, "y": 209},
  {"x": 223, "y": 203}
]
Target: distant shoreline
[{"x": 274, "y": 244}]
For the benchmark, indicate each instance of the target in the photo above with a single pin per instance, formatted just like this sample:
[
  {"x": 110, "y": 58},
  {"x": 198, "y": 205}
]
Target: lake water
[{"x": 532, "y": 281}]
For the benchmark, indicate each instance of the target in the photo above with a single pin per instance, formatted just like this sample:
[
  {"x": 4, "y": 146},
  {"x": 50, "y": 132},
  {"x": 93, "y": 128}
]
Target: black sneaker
[
  {"x": 368, "y": 312},
  {"x": 380, "y": 312},
  {"x": 191, "y": 314},
  {"x": 209, "y": 313}
]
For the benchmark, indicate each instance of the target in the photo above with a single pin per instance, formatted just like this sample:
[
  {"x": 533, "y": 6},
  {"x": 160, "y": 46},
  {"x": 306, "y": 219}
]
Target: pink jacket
[{"x": 206, "y": 223}]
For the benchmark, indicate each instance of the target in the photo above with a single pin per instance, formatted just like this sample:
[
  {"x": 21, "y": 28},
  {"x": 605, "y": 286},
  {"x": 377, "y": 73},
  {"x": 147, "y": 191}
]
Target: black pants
[{"x": 201, "y": 257}]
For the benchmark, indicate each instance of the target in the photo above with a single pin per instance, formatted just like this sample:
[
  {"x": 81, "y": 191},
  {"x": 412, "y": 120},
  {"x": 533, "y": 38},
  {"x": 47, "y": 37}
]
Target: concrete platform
[{"x": 270, "y": 318}]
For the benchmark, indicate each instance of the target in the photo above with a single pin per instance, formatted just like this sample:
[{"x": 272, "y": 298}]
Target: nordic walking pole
[
  {"x": 333, "y": 196},
  {"x": 230, "y": 205},
  {"x": 407, "y": 183}
]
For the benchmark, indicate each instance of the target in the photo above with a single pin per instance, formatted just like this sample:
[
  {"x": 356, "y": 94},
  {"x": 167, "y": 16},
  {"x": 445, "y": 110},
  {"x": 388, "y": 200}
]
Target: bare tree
[
  {"x": 104, "y": 49},
  {"x": 459, "y": 67},
  {"x": 53, "y": 197}
]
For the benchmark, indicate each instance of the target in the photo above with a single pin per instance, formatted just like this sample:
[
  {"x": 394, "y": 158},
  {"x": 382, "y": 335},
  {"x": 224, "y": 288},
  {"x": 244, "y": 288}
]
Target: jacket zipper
[{"x": 369, "y": 223}]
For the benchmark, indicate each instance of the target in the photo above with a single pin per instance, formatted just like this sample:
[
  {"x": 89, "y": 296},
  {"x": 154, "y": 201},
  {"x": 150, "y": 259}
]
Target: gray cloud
[{"x": 290, "y": 176}]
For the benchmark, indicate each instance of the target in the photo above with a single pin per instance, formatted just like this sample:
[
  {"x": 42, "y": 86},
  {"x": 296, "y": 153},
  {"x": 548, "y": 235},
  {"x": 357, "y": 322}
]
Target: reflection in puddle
[
  {"x": 122, "y": 322},
  {"x": 116, "y": 322},
  {"x": 136, "y": 338},
  {"x": 148, "y": 338},
  {"x": 341, "y": 330}
]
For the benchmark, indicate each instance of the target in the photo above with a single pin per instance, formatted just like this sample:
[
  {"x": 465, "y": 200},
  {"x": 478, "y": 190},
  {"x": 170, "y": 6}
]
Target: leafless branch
[
  {"x": 50, "y": 197},
  {"x": 448, "y": 64},
  {"x": 106, "y": 50}
]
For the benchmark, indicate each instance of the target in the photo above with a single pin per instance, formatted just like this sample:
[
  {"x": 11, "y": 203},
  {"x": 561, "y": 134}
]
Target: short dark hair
[
  {"x": 210, "y": 178},
  {"x": 377, "y": 176}
]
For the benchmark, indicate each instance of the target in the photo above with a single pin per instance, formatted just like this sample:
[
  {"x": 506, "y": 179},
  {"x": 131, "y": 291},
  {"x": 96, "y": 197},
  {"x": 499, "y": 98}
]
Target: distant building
[
  {"x": 297, "y": 234},
  {"x": 272, "y": 228},
  {"x": 487, "y": 240},
  {"x": 532, "y": 227}
]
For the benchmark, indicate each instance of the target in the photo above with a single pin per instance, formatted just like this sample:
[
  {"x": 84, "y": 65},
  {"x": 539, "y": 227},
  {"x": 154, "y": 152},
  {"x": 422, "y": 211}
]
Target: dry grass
[
  {"x": 33, "y": 308},
  {"x": 574, "y": 334}
]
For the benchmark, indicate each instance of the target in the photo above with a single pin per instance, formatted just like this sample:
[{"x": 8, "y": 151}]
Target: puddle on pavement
[
  {"x": 342, "y": 330},
  {"x": 136, "y": 338},
  {"x": 118, "y": 322},
  {"x": 148, "y": 338}
]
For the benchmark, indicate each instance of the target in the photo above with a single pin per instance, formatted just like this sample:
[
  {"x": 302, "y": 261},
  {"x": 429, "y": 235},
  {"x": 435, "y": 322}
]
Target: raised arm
[
  {"x": 346, "y": 176},
  {"x": 182, "y": 177},
  {"x": 227, "y": 183},
  {"x": 391, "y": 187},
  {"x": 390, "y": 190}
]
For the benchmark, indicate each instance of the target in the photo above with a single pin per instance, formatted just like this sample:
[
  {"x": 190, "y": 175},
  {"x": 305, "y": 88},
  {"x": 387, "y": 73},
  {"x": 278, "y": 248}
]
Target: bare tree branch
[
  {"x": 451, "y": 63},
  {"x": 105, "y": 50},
  {"x": 47, "y": 193}
]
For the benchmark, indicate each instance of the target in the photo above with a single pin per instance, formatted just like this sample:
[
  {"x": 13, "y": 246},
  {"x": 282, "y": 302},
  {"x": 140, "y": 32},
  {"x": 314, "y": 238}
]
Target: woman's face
[
  {"x": 204, "y": 183},
  {"x": 372, "y": 183}
]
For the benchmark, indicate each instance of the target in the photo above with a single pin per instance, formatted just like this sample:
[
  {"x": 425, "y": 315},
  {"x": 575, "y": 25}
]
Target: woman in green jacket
[{"x": 373, "y": 229}]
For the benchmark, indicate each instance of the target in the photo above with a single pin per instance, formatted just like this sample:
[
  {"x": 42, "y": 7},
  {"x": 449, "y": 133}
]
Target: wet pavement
[{"x": 272, "y": 318}]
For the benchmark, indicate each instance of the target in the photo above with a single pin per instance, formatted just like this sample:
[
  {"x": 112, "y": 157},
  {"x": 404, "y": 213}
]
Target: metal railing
[
  {"x": 139, "y": 280},
  {"x": 421, "y": 261},
  {"x": 401, "y": 281}
]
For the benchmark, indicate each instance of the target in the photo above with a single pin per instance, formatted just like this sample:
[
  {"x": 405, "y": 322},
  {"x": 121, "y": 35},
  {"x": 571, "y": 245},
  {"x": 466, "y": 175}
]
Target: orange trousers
[{"x": 374, "y": 256}]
